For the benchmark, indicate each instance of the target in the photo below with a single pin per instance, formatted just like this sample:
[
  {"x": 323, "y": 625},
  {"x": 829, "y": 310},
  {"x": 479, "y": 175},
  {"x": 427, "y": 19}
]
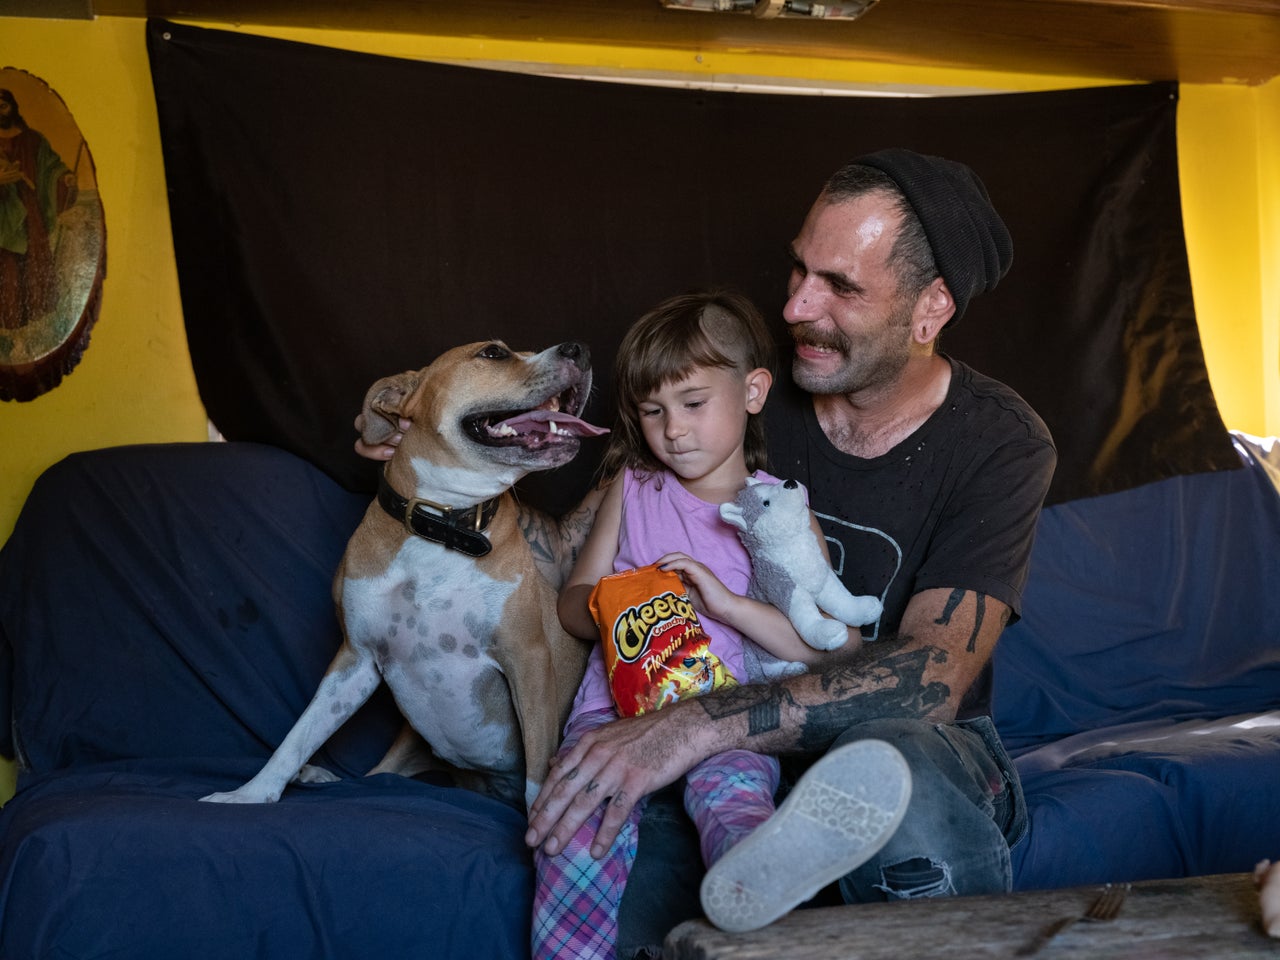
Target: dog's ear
[{"x": 385, "y": 404}]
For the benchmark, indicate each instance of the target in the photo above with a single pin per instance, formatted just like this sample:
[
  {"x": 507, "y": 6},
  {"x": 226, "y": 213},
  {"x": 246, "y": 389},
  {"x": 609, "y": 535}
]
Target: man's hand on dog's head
[{"x": 378, "y": 451}]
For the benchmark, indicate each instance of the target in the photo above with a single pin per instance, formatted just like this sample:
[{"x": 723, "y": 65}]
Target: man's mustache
[{"x": 806, "y": 335}]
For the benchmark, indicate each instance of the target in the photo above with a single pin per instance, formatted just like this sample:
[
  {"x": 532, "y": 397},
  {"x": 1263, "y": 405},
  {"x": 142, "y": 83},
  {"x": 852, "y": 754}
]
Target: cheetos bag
[{"x": 655, "y": 650}]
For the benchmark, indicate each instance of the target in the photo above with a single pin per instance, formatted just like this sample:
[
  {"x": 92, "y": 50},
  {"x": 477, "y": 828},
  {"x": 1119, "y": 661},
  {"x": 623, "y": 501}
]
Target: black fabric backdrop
[{"x": 341, "y": 216}]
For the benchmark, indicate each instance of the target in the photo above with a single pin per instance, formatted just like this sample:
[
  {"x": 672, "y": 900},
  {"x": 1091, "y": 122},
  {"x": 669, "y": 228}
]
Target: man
[{"x": 928, "y": 479}]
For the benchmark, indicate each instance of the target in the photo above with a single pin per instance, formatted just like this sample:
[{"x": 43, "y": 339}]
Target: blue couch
[
  {"x": 165, "y": 616},
  {"x": 1140, "y": 691}
]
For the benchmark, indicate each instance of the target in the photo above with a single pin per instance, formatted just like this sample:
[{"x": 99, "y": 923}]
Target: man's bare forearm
[
  {"x": 807, "y": 713},
  {"x": 947, "y": 637}
]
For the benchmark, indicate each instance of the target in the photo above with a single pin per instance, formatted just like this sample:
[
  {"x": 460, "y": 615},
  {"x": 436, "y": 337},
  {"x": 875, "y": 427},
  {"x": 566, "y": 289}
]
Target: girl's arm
[
  {"x": 754, "y": 619},
  {"x": 595, "y": 560}
]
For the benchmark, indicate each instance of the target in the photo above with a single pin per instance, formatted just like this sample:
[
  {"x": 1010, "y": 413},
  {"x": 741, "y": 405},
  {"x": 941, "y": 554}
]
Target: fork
[
  {"x": 1108, "y": 903},
  {"x": 1104, "y": 907}
]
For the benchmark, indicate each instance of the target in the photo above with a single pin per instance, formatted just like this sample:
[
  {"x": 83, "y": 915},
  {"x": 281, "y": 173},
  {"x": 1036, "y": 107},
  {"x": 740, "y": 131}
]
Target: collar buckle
[
  {"x": 460, "y": 530},
  {"x": 477, "y": 514}
]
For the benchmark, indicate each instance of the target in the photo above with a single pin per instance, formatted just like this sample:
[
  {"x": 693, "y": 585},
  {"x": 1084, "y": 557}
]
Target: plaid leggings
[{"x": 575, "y": 905}]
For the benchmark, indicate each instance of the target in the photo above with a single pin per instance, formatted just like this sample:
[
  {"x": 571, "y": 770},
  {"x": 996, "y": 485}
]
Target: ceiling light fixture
[{"x": 769, "y": 9}]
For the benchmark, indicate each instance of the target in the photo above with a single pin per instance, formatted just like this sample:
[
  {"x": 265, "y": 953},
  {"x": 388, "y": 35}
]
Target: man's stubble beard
[{"x": 877, "y": 360}]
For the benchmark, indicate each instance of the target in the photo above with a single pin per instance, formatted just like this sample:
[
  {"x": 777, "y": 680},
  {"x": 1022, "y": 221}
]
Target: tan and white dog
[{"x": 438, "y": 593}]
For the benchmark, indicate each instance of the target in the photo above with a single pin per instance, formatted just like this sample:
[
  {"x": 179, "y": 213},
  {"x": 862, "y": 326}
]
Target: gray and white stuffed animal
[{"x": 789, "y": 571}]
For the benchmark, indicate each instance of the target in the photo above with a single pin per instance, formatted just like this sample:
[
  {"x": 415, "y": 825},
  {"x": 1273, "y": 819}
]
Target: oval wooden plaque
[{"x": 53, "y": 238}]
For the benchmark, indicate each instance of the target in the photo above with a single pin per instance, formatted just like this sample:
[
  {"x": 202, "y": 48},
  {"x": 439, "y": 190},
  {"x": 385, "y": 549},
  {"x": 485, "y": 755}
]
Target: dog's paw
[
  {"x": 230, "y": 797},
  {"x": 237, "y": 796},
  {"x": 310, "y": 773}
]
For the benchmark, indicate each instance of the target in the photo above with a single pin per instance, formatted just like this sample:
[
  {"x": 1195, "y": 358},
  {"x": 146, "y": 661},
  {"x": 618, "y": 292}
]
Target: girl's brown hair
[{"x": 711, "y": 329}]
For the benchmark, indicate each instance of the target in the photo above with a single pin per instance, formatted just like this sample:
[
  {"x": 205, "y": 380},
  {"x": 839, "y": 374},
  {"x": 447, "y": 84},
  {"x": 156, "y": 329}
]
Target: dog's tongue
[{"x": 547, "y": 421}]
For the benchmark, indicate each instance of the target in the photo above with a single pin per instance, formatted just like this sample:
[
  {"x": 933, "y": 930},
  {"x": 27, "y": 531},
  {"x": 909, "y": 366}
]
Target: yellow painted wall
[
  {"x": 1229, "y": 159},
  {"x": 135, "y": 382},
  {"x": 1267, "y": 114}
]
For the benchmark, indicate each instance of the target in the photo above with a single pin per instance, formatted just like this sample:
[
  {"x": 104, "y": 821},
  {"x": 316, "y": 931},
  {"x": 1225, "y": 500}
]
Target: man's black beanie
[{"x": 971, "y": 244}]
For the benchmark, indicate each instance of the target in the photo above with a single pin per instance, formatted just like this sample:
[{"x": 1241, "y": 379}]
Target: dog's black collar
[{"x": 458, "y": 530}]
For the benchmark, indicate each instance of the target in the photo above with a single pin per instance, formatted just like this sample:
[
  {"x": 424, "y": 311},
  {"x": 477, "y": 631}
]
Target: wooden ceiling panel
[{"x": 1194, "y": 41}]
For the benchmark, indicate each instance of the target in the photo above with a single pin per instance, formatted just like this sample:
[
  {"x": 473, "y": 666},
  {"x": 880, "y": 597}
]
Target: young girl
[{"x": 691, "y": 377}]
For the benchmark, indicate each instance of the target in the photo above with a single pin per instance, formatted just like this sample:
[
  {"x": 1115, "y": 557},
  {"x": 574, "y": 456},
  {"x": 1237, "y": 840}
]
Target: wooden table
[{"x": 1200, "y": 917}]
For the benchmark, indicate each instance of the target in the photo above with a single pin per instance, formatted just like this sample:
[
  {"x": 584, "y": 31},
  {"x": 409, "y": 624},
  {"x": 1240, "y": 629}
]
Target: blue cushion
[
  {"x": 1157, "y": 602},
  {"x": 1080, "y": 821},
  {"x": 174, "y": 600},
  {"x": 1151, "y": 800},
  {"x": 120, "y": 860}
]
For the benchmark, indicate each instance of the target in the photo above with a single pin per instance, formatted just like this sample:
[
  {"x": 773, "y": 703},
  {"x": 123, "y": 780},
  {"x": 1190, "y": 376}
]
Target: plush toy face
[{"x": 768, "y": 513}]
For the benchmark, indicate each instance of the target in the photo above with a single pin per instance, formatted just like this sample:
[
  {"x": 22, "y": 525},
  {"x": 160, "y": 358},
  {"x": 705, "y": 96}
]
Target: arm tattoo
[
  {"x": 869, "y": 685},
  {"x": 953, "y": 602},
  {"x": 762, "y": 703},
  {"x": 972, "y": 645},
  {"x": 764, "y": 717},
  {"x": 889, "y": 686},
  {"x": 573, "y": 529},
  {"x": 534, "y": 528},
  {"x": 555, "y": 543}
]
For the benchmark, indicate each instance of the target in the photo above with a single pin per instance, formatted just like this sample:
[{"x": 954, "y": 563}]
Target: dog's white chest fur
[{"x": 429, "y": 620}]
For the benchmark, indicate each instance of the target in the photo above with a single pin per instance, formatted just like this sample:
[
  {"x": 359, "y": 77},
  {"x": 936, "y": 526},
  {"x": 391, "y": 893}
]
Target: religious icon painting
[{"x": 53, "y": 238}]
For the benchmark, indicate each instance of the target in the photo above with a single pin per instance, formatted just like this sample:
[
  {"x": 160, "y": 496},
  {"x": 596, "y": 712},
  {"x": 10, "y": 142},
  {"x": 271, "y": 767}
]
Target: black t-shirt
[{"x": 953, "y": 505}]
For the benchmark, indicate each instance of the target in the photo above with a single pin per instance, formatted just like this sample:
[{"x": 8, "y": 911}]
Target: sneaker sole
[{"x": 838, "y": 816}]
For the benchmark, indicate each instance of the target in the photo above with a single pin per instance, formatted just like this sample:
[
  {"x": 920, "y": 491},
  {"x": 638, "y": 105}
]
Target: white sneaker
[{"x": 840, "y": 813}]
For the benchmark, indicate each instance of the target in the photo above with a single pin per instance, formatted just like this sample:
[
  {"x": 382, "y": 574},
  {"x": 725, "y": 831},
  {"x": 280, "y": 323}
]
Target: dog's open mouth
[{"x": 551, "y": 423}]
